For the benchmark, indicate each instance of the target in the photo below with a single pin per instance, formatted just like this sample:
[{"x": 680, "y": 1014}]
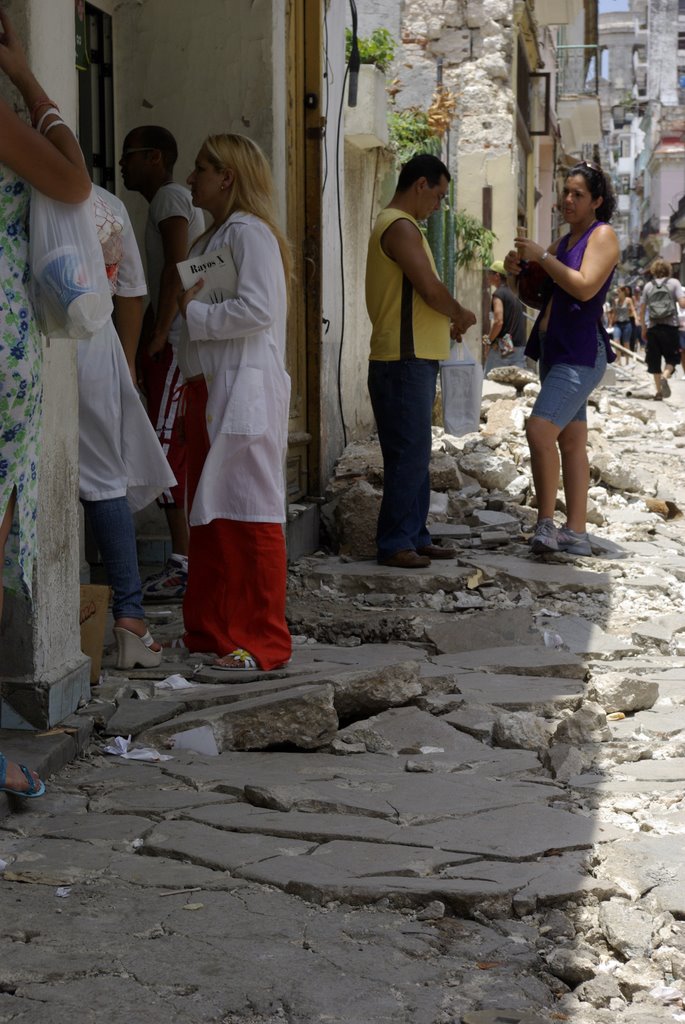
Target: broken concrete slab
[
  {"x": 134, "y": 716},
  {"x": 539, "y": 577},
  {"x": 615, "y": 691},
  {"x": 58, "y": 862},
  {"x": 485, "y": 517},
  {"x": 363, "y": 656},
  {"x": 97, "y": 827},
  {"x": 659, "y": 630},
  {"x": 541, "y": 694},
  {"x": 586, "y": 638},
  {"x": 403, "y": 731},
  {"x": 214, "y": 848},
  {"x": 366, "y": 577},
  {"x": 154, "y": 801},
  {"x": 171, "y": 875},
  {"x": 303, "y": 716},
  {"x": 533, "y": 661},
  {"x": 641, "y": 863},
  {"x": 484, "y": 630},
  {"x": 368, "y": 691}
]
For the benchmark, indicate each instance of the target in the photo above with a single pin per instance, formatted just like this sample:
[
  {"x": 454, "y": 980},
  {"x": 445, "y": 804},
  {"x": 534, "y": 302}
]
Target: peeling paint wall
[
  {"x": 475, "y": 39},
  {"x": 195, "y": 69}
]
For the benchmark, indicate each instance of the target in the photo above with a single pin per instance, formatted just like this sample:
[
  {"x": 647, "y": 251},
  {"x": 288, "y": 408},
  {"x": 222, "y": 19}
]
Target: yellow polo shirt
[{"x": 403, "y": 325}]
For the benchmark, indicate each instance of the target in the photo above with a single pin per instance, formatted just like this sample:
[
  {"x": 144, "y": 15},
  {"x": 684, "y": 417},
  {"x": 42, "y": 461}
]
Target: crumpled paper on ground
[
  {"x": 121, "y": 747},
  {"x": 175, "y": 682}
]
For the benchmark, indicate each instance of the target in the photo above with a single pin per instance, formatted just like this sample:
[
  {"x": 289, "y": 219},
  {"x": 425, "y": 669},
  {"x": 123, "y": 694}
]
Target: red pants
[{"x": 236, "y": 571}]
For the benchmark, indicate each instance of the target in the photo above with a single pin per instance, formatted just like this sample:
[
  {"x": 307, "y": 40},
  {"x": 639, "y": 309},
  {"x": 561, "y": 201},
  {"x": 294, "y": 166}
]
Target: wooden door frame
[{"x": 304, "y": 139}]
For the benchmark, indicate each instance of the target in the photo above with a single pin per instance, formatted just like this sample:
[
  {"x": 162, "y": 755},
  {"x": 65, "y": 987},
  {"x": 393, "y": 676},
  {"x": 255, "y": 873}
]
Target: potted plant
[{"x": 366, "y": 124}]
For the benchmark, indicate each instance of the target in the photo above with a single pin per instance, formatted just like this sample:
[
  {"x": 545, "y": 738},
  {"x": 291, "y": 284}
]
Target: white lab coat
[
  {"x": 240, "y": 344},
  {"x": 119, "y": 452}
]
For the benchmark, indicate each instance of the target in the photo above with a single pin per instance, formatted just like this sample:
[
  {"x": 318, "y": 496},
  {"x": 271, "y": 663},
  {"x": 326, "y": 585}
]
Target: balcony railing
[{"x": 577, "y": 70}]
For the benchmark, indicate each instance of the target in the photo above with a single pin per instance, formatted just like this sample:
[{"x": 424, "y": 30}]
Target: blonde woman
[{"x": 232, "y": 355}]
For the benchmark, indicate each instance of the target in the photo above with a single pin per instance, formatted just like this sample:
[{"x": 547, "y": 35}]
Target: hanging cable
[{"x": 354, "y": 61}]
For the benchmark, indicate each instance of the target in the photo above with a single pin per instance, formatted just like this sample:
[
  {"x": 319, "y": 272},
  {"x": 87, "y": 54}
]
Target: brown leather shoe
[
  {"x": 406, "y": 559},
  {"x": 435, "y": 551}
]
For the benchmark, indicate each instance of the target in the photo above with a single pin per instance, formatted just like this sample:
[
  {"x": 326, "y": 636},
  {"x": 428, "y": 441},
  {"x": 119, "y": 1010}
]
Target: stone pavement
[{"x": 461, "y": 803}]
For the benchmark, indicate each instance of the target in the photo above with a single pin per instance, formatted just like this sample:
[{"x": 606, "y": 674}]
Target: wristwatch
[{"x": 544, "y": 256}]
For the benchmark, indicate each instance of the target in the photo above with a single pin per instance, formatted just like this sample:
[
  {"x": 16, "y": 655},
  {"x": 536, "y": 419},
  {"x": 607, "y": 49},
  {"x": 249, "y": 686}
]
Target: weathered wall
[
  {"x": 369, "y": 182},
  {"x": 475, "y": 40},
  {"x": 195, "y": 69}
]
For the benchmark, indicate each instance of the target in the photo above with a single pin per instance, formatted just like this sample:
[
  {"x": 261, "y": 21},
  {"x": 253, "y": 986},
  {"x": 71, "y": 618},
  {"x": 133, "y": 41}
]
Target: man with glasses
[
  {"x": 147, "y": 164},
  {"x": 412, "y": 316}
]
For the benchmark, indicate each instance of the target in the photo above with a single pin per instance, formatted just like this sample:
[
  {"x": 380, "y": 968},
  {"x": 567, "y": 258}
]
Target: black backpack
[{"x": 660, "y": 302}]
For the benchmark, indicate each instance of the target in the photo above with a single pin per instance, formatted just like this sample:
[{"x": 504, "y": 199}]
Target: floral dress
[{"x": 20, "y": 382}]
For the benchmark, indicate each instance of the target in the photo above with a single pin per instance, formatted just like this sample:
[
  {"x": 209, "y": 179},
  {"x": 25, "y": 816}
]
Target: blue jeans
[
  {"x": 402, "y": 395},
  {"x": 566, "y": 387},
  {"x": 624, "y": 334},
  {"x": 112, "y": 525}
]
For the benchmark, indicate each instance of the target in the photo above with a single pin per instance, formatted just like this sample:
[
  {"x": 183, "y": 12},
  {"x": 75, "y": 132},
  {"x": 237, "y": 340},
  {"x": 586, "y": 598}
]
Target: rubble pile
[{"x": 465, "y": 791}]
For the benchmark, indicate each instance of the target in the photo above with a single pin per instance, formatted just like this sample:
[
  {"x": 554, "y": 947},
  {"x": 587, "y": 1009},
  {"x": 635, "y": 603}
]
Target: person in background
[
  {"x": 572, "y": 348},
  {"x": 623, "y": 320},
  {"x": 47, "y": 156},
  {"x": 660, "y": 299},
  {"x": 122, "y": 467},
  {"x": 412, "y": 315},
  {"x": 505, "y": 342},
  {"x": 237, "y": 393},
  {"x": 681, "y": 336},
  {"x": 147, "y": 164}
]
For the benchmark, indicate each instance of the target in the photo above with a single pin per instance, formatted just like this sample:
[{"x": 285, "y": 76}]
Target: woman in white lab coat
[
  {"x": 122, "y": 467},
  {"x": 232, "y": 355}
]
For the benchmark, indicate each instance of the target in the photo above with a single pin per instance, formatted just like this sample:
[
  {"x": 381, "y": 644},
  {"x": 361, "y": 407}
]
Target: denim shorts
[{"x": 566, "y": 388}]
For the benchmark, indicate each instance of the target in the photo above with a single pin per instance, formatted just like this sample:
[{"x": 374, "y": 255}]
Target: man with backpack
[{"x": 659, "y": 307}]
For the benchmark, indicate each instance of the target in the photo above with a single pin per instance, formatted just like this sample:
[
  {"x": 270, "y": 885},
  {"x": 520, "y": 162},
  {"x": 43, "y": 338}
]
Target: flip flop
[
  {"x": 247, "y": 662},
  {"x": 33, "y": 790}
]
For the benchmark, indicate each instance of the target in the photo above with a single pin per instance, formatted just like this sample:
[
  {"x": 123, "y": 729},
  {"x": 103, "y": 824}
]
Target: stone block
[
  {"x": 303, "y": 716},
  {"x": 370, "y": 691},
  {"x": 616, "y": 691},
  {"x": 133, "y": 716}
]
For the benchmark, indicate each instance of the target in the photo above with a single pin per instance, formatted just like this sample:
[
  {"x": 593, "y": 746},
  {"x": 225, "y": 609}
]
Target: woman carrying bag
[
  {"x": 232, "y": 355},
  {"x": 571, "y": 346}
]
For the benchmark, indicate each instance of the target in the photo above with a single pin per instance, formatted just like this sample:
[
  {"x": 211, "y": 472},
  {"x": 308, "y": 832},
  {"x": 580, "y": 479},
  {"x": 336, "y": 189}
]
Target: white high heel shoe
[{"x": 134, "y": 650}]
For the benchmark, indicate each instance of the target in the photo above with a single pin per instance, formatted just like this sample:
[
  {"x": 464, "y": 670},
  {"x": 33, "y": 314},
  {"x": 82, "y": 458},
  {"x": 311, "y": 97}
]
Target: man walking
[
  {"x": 506, "y": 340},
  {"x": 411, "y": 311},
  {"x": 147, "y": 165}
]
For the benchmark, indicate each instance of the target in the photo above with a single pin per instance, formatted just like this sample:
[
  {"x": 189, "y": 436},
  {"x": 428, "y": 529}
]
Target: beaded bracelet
[
  {"x": 45, "y": 102},
  {"x": 41, "y": 122}
]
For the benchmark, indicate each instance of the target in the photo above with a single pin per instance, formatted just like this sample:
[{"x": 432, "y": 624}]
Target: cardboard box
[{"x": 92, "y": 617}]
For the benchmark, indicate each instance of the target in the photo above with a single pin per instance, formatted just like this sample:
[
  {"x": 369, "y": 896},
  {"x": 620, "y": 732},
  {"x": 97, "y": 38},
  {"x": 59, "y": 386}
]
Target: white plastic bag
[
  {"x": 69, "y": 289},
  {"x": 461, "y": 381}
]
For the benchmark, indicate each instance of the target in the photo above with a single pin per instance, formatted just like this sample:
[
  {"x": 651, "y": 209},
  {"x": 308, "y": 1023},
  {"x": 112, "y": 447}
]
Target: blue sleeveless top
[{"x": 573, "y": 325}]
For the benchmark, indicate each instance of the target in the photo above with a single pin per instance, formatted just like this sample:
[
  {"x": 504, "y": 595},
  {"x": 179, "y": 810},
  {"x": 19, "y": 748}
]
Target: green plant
[
  {"x": 441, "y": 238},
  {"x": 378, "y": 49},
  {"x": 474, "y": 242},
  {"x": 411, "y": 133}
]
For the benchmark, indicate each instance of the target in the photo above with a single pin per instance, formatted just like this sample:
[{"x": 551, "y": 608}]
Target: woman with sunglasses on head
[
  {"x": 237, "y": 393},
  {"x": 572, "y": 348}
]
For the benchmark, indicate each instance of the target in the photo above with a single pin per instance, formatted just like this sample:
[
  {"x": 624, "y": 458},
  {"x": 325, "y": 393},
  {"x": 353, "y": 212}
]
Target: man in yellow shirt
[{"x": 413, "y": 315}]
